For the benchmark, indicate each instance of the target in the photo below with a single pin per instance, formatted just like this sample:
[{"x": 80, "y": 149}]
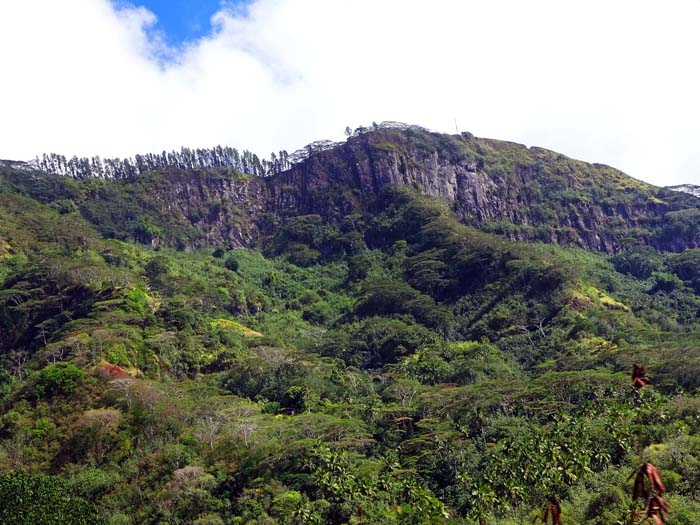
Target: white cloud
[{"x": 601, "y": 80}]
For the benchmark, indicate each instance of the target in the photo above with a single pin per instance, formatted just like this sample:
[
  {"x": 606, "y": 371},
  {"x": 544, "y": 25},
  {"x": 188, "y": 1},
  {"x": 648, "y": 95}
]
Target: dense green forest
[{"x": 393, "y": 366}]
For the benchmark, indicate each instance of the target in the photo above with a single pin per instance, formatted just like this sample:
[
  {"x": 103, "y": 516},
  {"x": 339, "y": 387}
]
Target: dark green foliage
[
  {"x": 665, "y": 282},
  {"x": 375, "y": 341},
  {"x": 640, "y": 262},
  {"x": 157, "y": 267},
  {"x": 686, "y": 265},
  {"x": 42, "y": 500},
  {"x": 389, "y": 298},
  {"x": 307, "y": 240},
  {"x": 231, "y": 263},
  {"x": 65, "y": 206},
  {"x": 682, "y": 226}
]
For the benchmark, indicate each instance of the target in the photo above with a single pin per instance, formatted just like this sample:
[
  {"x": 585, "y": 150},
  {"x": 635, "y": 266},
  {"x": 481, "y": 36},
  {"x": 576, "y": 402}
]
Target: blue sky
[{"x": 183, "y": 20}]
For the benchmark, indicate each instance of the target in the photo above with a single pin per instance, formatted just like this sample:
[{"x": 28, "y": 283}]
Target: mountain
[
  {"x": 523, "y": 193},
  {"x": 526, "y": 194},
  {"x": 404, "y": 328}
]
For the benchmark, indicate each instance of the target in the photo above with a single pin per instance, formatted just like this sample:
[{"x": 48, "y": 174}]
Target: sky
[
  {"x": 609, "y": 81},
  {"x": 181, "y": 21}
]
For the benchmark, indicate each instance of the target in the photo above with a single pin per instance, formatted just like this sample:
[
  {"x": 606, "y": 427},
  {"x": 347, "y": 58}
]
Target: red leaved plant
[
  {"x": 110, "y": 372},
  {"x": 639, "y": 377},
  {"x": 552, "y": 509},
  {"x": 649, "y": 486}
]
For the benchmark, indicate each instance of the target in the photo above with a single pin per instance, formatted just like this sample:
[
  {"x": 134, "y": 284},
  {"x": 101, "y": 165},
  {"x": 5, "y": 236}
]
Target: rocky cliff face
[
  {"x": 523, "y": 193},
  {"x": 526, "y": 194}
]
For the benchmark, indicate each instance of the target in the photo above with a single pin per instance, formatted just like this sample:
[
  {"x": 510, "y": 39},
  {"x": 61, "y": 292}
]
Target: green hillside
[{"x": 389, "y": 366}]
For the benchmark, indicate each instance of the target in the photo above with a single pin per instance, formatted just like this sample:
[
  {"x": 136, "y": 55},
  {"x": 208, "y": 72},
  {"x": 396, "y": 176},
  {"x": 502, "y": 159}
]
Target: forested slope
[{"x": 364, "y": 360}]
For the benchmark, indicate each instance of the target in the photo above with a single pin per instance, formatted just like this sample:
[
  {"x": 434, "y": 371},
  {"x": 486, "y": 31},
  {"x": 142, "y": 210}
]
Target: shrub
[
  {"x": 58, "y": 379},
  {"x": 231, "y": 263}
]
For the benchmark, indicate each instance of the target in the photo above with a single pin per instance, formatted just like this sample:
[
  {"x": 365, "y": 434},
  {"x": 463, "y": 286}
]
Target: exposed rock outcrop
[{"x": 523, "y": 193}]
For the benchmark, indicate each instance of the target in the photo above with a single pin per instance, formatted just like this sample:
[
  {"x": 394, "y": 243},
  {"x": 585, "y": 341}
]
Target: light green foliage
[{"x": 59, "y": 379}]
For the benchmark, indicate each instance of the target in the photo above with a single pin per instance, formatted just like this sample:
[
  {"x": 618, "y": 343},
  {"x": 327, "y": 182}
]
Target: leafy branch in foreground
[{"x": 649, "y": 486}]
